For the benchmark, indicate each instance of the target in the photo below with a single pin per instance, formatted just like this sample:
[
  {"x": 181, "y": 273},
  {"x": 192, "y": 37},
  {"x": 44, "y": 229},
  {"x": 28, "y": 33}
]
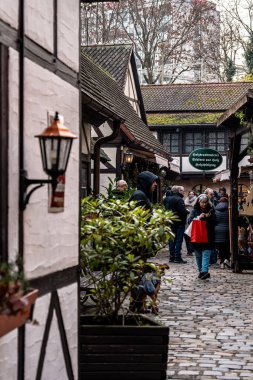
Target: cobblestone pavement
[{"x": 211, "y": 322}]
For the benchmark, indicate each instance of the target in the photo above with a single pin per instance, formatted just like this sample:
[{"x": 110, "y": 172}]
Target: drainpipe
[{"x": 97, "y": 146}]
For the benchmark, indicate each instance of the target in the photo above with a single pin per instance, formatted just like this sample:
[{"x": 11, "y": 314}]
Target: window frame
[{"x": 205, "y": 139}]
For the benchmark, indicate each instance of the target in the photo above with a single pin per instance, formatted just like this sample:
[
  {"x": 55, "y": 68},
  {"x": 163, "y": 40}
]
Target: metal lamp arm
[{"x": 26, "y": 182}]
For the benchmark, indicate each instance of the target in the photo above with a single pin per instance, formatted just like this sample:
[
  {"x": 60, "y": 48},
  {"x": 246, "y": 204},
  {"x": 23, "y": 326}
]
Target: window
[
  {"x": 170, "y": 141},
  {"x": 244, "y": 142},
  {"x": 216, "y": 141},
  {"x": 193, "y": 140}
]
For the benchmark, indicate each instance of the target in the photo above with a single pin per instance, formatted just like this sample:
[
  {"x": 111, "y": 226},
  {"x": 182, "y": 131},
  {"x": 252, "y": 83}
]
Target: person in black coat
[
  {"x": 222, "y": 231},
  {"x": 147, "y": 183},
  {"x": 175, "y": 203},
  {"x": 204, "y": 211}
]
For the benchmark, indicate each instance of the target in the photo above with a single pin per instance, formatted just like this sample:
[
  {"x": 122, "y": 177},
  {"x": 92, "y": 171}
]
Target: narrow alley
[{"x": 211, "y": 322}]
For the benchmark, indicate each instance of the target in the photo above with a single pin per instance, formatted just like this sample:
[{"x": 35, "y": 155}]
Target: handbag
[
  {"x": 188, "y": 230},
  {"x": 199, "y": 231}
]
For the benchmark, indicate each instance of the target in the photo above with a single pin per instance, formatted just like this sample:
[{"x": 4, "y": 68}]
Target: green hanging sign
[{"x": 205, "y": 159}]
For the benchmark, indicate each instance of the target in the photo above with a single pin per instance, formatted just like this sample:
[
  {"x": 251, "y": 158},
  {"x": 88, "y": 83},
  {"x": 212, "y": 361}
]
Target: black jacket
[
  {"x": 222, "y": 223},
  {"x": 143, "y": 194},
  {"x": 176, "y": 204}
]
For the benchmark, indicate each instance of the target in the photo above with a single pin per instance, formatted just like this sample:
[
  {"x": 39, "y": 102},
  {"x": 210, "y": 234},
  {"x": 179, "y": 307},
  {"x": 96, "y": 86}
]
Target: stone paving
[{"x": 211, "y": 322}]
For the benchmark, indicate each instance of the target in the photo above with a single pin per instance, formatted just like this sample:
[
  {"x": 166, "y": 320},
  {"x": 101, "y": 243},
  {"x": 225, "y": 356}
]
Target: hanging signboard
[{"x": 205, "y": 159}]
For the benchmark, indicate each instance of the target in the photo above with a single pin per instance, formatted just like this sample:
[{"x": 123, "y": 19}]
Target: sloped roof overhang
[{"x": 227, "y": 116}]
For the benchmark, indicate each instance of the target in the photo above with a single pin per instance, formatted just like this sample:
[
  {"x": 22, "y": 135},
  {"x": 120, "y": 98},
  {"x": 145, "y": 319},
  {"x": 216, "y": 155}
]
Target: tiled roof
[
  {"x": 102, "y": 89},
  {"x": 193, "y": 97},
  {"x": 113, "y": 58},
  {"x": 183, "y": 118}
]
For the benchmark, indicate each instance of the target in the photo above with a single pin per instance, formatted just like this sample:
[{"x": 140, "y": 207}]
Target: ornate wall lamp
[
  {"x": 55, "y": 146},
  {"x": 128, "y": 157}
]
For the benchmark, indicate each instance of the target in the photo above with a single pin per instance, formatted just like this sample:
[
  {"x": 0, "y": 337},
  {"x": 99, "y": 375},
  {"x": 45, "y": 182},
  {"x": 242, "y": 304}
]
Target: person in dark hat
[{"x": 147, "y": 183}]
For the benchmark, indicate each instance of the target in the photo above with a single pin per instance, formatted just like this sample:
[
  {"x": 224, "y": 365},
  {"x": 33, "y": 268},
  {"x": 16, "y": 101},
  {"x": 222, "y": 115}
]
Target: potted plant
[
  {"x": 16, "y": 299},
  {"x": 117, "y": 239}
]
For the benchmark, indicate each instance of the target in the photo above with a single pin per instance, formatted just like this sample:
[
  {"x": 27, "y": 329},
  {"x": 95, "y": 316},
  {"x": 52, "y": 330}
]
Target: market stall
[{"x": 239, "y": 120}]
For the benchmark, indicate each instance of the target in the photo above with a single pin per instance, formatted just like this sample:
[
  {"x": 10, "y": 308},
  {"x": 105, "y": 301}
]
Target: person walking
[
  {"x": 222, "y": 232},
  {"x": 204, "y": 211},
  {"x": 189, "y": 204},
  {"x": 213, "y": 199},
  {"x": 175, "y": 203}
]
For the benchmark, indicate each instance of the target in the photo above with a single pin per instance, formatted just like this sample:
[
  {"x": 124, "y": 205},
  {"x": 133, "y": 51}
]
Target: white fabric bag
[{"x": 188, "y": 230}]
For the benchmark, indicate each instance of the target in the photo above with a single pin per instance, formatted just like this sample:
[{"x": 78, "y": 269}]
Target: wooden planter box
[
  {"x": 129, "y": 352},
  {"x": 11, "y": 322}
]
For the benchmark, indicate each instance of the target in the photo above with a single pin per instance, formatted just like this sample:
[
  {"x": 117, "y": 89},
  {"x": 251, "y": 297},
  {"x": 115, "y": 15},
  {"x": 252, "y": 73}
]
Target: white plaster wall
[
  {"x": 8, "y": 356},
  {"x": 68, "y": 32},
  {"x": 104, "y": 182},
  {"x": 39, "y": 22},
  {"x": 54, "y": 365},
  {"x": 86, "y": 140},
  {"x": 9, "y": 12},
  {"x": 130, "y": 90},
  {"x": 13, "y": 154},
  {"x": 50, "y": 240}
]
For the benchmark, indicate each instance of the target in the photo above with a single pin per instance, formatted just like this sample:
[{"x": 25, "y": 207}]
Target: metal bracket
[{"x": 26, "y": 182}]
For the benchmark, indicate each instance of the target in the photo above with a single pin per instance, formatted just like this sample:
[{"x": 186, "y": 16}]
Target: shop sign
[{"x": 205, "y": 159}]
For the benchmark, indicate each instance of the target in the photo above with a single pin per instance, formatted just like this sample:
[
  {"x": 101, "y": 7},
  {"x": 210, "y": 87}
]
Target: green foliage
[
  {"x": 249, "y": 55},
  {"x": 13, "y": 286},
  {"x": 111, "y": 191},
  {"x": 116, "y": 240},
  {"x": 241, "y": 116},
  {"x": 189, "y": 118},
  {"x": 230, "y": 70}
]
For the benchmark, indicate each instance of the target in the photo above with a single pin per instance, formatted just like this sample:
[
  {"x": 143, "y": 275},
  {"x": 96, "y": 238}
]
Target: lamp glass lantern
[
  {"x": 55, "y": 146},
  {"x": 128, "y": 157}
]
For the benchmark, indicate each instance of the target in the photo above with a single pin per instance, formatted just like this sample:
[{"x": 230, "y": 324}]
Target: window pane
[
  {"x": 216, "y": 141},
  {"x": 170, "y": 141}
]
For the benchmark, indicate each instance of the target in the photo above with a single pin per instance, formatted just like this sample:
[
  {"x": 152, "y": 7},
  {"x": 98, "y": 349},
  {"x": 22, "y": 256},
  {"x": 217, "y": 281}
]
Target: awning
[
  {"x": 161, "y": 161},
  {"x": 223, "y": 175},
  {"x": 174, "y": 165}
]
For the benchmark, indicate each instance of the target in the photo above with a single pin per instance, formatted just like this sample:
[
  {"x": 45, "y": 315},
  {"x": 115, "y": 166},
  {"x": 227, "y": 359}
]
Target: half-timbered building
[
  {"x": 39, "y": 74},
  {"x": 184, "y": 117}
]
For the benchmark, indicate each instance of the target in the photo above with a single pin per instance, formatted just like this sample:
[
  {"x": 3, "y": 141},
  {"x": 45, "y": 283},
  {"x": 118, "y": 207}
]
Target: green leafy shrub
[
  {"x": 116, "y": 240},
  {"x": 12, "y": 287}
]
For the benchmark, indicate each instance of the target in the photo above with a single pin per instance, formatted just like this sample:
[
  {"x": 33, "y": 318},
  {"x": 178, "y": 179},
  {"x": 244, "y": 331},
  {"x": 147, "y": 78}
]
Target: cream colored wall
[
  {"x": 85, "y": 141},
  {"x": 59, "y": 249},
  {"x": 9, "y": 12},
  {"x": 51, "y": 241},
  {"x": 54, "y": 366},
  {"x": 130, "y": 90},
  {"x": 68, "y": 32},
  {"x": 39, "y": 19}
]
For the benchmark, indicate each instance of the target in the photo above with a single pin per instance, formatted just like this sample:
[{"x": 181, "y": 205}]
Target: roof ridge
[
  {"x": 195, "y": 84},
  {"x": 107, "y": 45}
]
